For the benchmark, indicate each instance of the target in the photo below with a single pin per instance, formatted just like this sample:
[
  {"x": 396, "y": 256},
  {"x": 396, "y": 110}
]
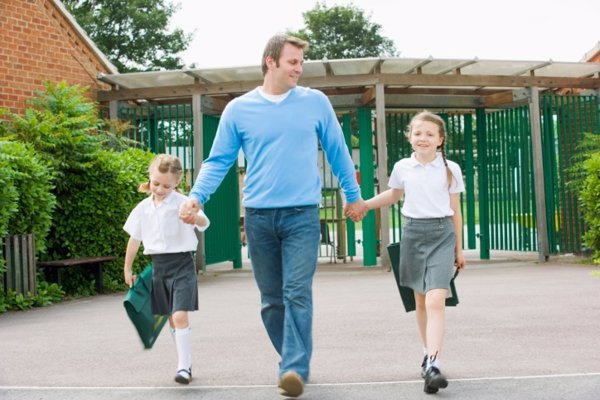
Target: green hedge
[
  {"x": 590, "y": 197},
  {"x": 93, "y": 208},
  {"x": 26, "y": 201},
  {"x": 70, "y": 183},
  {"x": 33, "y": 181}
]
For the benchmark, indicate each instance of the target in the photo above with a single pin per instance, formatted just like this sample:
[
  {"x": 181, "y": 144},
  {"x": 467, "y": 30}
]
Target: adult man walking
[{"x": 279, "y": 126}]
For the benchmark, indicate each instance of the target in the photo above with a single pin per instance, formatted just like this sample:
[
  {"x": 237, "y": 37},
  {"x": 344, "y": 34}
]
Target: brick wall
[{"x": 37, "y": 44}]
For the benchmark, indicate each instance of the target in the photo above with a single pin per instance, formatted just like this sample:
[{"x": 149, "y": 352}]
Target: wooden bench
[{"x": 94, "y": 264}]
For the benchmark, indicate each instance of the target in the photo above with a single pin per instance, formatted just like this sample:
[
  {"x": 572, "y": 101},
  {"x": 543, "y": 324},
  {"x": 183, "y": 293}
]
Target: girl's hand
[
  {"x": 129, "y": 278},
  {"x": 188, "y": 210},
  {"x": 459, "y": 260}
]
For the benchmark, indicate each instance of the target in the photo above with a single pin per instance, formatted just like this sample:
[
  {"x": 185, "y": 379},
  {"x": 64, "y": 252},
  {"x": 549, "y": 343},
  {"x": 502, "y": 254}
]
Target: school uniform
[
  {"x": 428, "y": 237},
  {"x": 170, "y": 243}
]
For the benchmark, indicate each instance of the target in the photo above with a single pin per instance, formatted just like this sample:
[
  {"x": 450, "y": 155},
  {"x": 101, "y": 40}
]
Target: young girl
[
  {"x": 156, "y": 223},
  {"x": 432, "y": 233}
]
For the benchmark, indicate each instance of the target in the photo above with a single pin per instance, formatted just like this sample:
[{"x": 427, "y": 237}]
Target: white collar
[
  {"x": 275, "y": 98},
  {"x": 436, "y": 162}
]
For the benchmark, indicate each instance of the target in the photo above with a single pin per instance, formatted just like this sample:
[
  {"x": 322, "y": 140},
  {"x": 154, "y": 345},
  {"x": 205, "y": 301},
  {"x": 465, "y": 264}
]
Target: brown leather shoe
[{"x": 290, "y": 384}]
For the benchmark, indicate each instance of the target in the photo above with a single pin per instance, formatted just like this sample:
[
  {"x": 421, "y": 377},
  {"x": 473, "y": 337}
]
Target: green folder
[
  {"x": 137, "y": 305},
  {"x": 407, "y": 294}
]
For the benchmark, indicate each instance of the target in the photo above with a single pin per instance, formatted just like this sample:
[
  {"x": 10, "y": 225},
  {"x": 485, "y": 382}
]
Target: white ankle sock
[
  {"x": 433, "y": 362},
  {"x": 183, "y": 341}
]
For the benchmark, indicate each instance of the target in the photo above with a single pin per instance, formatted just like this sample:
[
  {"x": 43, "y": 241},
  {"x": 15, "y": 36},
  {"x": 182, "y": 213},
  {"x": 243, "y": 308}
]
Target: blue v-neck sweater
[{"x": 280, "y": 143}]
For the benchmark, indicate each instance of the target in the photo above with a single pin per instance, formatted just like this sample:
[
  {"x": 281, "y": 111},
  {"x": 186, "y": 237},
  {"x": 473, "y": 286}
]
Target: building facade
[{"x": 40, "y": 41}]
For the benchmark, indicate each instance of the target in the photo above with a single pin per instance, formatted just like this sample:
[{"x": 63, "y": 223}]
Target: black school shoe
[
  {"x": 184, "y": 376},
  {"x": 434, "y": 380},
  {"x": 424, "y": 367},
  {"x": 427, "y": 389}
]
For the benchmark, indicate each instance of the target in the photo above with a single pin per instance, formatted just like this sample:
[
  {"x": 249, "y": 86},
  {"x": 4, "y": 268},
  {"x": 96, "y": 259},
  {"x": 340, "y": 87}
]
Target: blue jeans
[{"x": 283, "y": 244}]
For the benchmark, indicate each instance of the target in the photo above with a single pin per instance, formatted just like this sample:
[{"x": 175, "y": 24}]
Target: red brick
[{"x": 36, "y": 44}]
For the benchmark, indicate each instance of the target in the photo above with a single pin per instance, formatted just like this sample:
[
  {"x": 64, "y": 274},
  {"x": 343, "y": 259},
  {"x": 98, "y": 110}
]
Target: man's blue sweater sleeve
[{"x": 223, "y": 154}]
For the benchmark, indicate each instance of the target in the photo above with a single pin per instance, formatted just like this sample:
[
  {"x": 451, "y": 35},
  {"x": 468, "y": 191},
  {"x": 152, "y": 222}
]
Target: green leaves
[
  {"x": 341, "y": 32},
  {"x": 133, "y": 34},
  {"x": 58, "y": 181},
  {"x": 590, "y": 197},
  {"x": 31, "y": 209}
]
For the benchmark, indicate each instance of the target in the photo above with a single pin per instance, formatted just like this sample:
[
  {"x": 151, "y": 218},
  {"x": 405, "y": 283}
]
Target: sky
[{"x": 229, "y": 33}]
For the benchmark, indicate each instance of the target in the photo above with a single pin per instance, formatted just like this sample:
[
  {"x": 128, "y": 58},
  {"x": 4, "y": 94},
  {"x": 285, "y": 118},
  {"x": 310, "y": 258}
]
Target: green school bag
[
  {"x": 137, "y": 305},
  {"x": 406, "y": 294}
]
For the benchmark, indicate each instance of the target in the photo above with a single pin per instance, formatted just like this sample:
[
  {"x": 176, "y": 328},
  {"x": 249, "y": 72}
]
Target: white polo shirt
[
  {"x": 426, "y": 192},
  {"x": 160, "y": 229}
]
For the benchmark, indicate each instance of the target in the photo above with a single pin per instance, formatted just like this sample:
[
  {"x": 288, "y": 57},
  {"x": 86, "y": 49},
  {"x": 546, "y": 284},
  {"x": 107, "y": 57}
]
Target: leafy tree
[
  {"x": 132, "y": 33},
  {"x": 61, "y": 126},
  {"x": 342, "y": 32}
]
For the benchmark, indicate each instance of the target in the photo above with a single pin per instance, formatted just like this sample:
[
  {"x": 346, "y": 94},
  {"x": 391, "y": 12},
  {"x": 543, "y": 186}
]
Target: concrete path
[{"x": 523, "y": 330}]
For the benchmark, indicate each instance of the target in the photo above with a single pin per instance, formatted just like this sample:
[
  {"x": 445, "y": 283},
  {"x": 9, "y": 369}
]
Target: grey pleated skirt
[
  {"x": 427, "y": 253},
  {"x": 174, "y": 283}
]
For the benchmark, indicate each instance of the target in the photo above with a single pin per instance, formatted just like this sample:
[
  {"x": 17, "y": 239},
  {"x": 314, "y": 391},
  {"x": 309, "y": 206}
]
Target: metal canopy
[{"x": 408, "y": 82}]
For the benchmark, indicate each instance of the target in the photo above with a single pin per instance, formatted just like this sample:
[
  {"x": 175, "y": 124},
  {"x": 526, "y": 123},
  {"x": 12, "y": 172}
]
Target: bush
[
  {"x": 95, "y": 184},
  {"x": 590, "y": 197},
  {"x": 47, "y": 294},
  {"x": 61, "y": 127},
  {"x": 93, "y": 209},
  {"x": 9, "y": 198},
  {"x": 32, "y": 180}
]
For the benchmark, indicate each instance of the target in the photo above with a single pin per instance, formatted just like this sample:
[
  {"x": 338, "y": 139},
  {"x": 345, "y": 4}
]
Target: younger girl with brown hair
[{"x": 156, "y": 223}]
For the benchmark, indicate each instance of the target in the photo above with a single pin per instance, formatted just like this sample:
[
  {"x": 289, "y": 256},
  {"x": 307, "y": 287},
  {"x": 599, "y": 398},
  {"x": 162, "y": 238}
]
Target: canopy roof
[{"x": 407, "y": 82}]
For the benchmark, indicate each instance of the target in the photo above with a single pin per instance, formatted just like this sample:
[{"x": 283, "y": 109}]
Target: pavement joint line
[{"x": 498, "y": 378}]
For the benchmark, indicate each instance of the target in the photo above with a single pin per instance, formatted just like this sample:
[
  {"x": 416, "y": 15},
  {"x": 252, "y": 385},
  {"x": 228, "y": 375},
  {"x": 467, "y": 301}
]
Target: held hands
[
  {"x": 356, "y": 210},
  {"x": 188, "y": 211}
]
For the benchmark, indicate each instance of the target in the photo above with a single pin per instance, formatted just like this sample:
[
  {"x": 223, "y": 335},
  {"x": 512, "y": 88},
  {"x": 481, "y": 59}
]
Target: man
[{"x": 278, "y": 126}]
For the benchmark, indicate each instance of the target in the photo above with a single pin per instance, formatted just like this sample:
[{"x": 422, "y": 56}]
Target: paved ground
[{"x": 523, "y": 330}]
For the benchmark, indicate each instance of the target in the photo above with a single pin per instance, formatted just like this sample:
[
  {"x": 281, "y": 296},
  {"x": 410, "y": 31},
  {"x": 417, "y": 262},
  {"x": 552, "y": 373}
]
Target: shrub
[
  {"x": 32, "y": 180},
  {"x": 95, "y": 183},
  {"x": 590, "y": 197},
  {"x": 47, "y": 294},
  {"x": 89, "y": 221},
  {"x": 61, "y": 127},
  {"x": 9, "y": 198}
]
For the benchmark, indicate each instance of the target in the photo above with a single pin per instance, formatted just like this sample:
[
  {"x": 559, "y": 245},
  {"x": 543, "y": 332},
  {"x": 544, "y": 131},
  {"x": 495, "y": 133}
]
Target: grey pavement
[{"x": 523, "y": 330}]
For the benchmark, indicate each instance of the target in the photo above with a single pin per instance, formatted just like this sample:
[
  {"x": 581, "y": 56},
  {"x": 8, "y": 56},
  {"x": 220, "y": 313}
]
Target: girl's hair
[
  {"x": 275, "y": 45},
  {"x": 165, "y": 164},
  {"x": 436, "y": 119}
]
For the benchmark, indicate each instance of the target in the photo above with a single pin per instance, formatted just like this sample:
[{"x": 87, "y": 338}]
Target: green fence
[
  {"x": 458, "y": 149},
  {"x": 565, "y": 120},
  {"x": 492, "y": 147},
  {"x": 494, "y": 151},
  {"x": 162, "y": 129},
  {"x": 506, "y": 175}
]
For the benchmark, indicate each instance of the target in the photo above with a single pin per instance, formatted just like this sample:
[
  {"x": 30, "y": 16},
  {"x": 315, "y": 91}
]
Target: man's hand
[{"x": 356, "y": 210}]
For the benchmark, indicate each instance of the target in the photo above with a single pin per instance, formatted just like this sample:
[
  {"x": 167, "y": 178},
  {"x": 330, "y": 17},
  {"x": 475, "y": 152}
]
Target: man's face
[{"x": 288, "y": 70}]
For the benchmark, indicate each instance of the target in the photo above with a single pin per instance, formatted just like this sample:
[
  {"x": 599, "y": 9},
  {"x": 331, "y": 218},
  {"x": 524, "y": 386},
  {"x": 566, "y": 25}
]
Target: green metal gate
[
  {"x": 494, "y": 151},
  {"x": 565, "y": 121},
  {"x": 506, "y": 176},
  {"x": 492, "y": 147},
  {"x": 222, "y": 239}
]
